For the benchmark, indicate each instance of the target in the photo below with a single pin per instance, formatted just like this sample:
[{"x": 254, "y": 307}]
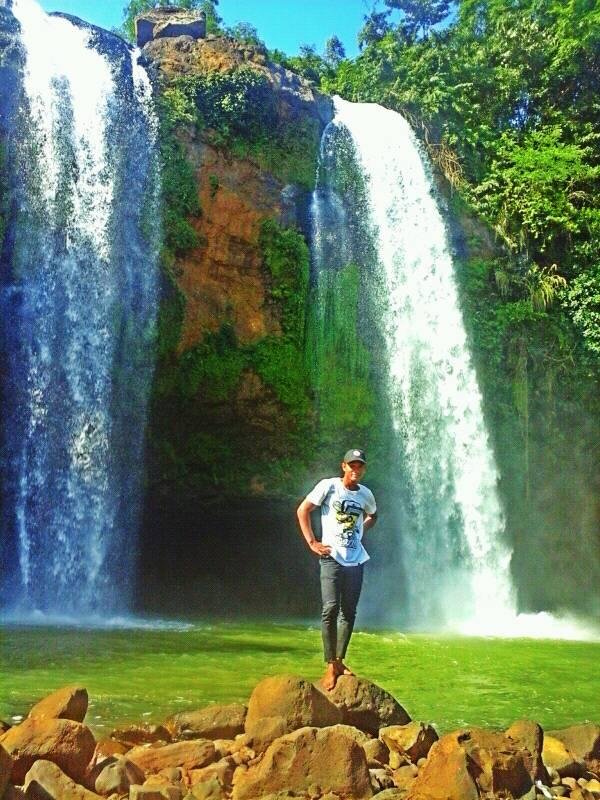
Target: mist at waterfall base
[
  {"x": 443, "y": 555},
  {"x": 79, "y": 299}
]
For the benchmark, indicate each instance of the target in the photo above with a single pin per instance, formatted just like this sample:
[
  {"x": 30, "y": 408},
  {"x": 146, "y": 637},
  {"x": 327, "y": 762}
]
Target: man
[{"x": 347, "y": 510}]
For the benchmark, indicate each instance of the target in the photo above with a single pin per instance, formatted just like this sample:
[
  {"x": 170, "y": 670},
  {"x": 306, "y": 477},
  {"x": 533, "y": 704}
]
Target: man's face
[{"x": 354, "y": 470}]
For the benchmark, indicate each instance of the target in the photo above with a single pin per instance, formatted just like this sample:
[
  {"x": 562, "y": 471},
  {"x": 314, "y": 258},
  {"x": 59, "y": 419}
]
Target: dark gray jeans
[{"x": 340, "y": 590}]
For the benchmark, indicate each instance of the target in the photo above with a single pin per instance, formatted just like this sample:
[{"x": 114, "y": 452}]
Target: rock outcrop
[
  {"x": 167, "y": 23},
  {"x": 323, "y": 760}
]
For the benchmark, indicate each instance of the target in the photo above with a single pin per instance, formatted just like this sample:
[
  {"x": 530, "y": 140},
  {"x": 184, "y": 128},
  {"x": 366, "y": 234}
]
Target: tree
[
  {"x": 376, "y": 26},
  {"x": 246, "y": 33},
  {"x": 419, "y": 16},
  {"x": 334, "y": 52}
]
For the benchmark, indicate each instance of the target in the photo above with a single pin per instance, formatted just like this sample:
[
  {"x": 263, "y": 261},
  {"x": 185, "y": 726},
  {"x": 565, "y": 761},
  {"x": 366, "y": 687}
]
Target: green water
[{"x": 134, "y": 675}]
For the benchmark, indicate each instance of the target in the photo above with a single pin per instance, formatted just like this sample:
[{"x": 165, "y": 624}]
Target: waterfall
[
  {"x": 452, "y": 540},
  {"x": 79, "y": 300}
]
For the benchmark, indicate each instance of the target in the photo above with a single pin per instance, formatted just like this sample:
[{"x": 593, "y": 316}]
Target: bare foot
[
  {"x": 329, "y": 680},
  {"x": 342, "y": 669}
]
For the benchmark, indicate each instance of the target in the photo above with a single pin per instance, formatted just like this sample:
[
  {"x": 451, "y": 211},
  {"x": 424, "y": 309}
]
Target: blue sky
[{"x": 285, "y": 24}]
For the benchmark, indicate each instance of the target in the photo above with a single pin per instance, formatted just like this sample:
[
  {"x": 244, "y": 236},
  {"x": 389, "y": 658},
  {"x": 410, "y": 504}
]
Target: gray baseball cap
[{"x": 355, "y": 455}]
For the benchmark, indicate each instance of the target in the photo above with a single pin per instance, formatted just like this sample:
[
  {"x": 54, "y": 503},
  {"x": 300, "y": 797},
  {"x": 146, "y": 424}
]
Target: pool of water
[{"x": 148, "y": 673}]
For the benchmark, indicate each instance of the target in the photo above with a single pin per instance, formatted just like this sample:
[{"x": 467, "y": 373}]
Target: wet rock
[
  {"x": 46, "y": 781},
  {"x": 413, "y": 740},
  {"x": 529, "y": 735},
  {"x": 189, "y": 755},
  {"x": 365, "y": 705},
  {"x": 583, "y": 741},
  {"x": 447, "y": 775},
  {"x": 558, "y": 757},
  {"x": 70, "y": 745},
  {"x": 212, "y": 722},
  {"x": 284, "y": 703},
  {"x": 70, "y": 702},
  {"x": 141, "y": 734},
  {"x": 5, "y": 769},
  {"x": 307, "y": 758},
  {"x": 118, "y": 776}
]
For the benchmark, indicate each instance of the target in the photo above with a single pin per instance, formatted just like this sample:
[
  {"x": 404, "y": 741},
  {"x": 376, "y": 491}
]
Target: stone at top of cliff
[
  {"x": 168, "y": 22},
  {"x": 175, "y": 56}
]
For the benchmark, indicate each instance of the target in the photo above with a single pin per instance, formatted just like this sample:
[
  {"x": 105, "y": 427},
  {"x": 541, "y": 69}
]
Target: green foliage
[
  {"x": 286, "y": 256},
  {"x": 420, "y": 16},
  {"x": 212, "y": 369},
  {"x": 245, "y": 33},
  {"x": 237, "y": 110},
  {"x": 583, "y": 301}
]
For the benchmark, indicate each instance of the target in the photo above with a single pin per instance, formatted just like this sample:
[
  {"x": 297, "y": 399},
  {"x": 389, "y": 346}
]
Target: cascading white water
[
  {"x": 80, "y": 316},
  {"x": 454, "y": 558},
  {"x": 455, "y": 555}
]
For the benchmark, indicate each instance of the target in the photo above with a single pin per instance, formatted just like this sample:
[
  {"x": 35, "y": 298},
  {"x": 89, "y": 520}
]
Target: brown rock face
[
  {"x": 69, "y": 745},
  {"x": 305, "y": 759},
  {"x": 212, "y": 722},
  {"x": 557, "y": 756},
  {"x": 117, "y": 777},
  {"x": 582, "y": 740},
  {"x": 70, "y": 702},
  {"x": 141, "y": 734},
  {"x": 5, "y": 769},
  {"x": 529, "y": 735},
  {"x": 291, "y": 702},
  {"x": 413, "y": 740},
  {"x": 365, "y": 705},
  {"x": 447, "y": 774},
  {"x": 46, "y": 781},
  {"x": 189, "y": 755},
  {"x": 502, "y": 764},
  {"x": 224, "y": 280}
]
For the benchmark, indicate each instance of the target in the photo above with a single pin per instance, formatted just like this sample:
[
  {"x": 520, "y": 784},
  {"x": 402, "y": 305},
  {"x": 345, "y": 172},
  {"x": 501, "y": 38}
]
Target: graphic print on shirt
[{"x": 347, "y": 514}]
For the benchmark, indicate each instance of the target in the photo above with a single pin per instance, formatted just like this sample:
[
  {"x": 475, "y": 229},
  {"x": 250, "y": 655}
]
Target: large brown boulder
[
  {"x": 582, "y": 740},
  {"x": 5, "y": 769},
  {"x": 135, "y": 735},
  {"x": 503, "y": 765},
  {"x": 528, "y": 735},
  {"x": 306, "y": 759},
  {"x": 413, "y": 740},
  {"x": 117, "y": 776},
  {"x": 212, "y": 722},
  {"x": 46, "y": 781},
  {"x": 188, "y": 755},
  {"x": 558, "y": 757},
  {"x": 70, "y": 745},
  {"x": 70, "y": 702},
  {"x": 448, "y": 774},
  {"x": 365, "y": 705},
  {"x": 284, "y": 703}
]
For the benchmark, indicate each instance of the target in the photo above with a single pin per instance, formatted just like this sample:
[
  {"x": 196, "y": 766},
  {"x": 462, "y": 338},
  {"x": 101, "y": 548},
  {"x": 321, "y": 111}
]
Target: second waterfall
[{"x": 375, "y": 207}]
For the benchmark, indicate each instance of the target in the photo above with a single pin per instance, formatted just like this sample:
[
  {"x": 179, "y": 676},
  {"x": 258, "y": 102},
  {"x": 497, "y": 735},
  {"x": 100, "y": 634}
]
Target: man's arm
[
  {"x": 303, "y": 514},
  {"x": 369, "y": 521}
]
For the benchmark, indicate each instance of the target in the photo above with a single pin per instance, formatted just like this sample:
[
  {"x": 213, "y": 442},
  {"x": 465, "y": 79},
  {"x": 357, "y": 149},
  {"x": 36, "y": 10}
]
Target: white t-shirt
[{"x": 342, "y": 515}]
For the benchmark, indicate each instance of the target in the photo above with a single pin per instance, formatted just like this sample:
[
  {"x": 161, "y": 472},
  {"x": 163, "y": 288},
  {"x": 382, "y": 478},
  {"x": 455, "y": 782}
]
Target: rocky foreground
[{"x": 292, "y": 740}]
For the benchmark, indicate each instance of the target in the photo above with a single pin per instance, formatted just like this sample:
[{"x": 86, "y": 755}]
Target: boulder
[
  {"x": 118, "y": 776},
  {"x": 189, "y": 755},
  {"x": 381, "y": 779},
  {"x": 209, "y": 790},
  {"x": 70, "y": 702},
  {"x": 413, "y": 740},
  {"x": 212, "y": 722},
  {"x": 13, "y": 793},
  {"x": 503, "y": 767},
  {"x": 46, "y": 781},
  {"x": 404, "y": 777},
  {"x": 365, "y": 705},
  {"x": 376, "y": 750},
  {"x": 141, "y": 734},
  {"x": 5, "y": 769},
  {"x": 222, "y": 771},
  {"x": 155, "y": 793},
  {"x": 169, "y": 23},
  {"x": 529, "y": 735},
  {"x": 447, "y": 775},
  {"x": 261, "y": 732},
  {"x": 583, "y": 741},
  {"x": 557, "y": 756},
  {"x": 70, "y": 745},
  {"x": 293, "y": 699},
  {"x": 305, "y": 759}
]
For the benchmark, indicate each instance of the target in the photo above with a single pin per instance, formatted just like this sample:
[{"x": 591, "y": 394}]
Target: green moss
[{"x": 237, "y": 110}]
